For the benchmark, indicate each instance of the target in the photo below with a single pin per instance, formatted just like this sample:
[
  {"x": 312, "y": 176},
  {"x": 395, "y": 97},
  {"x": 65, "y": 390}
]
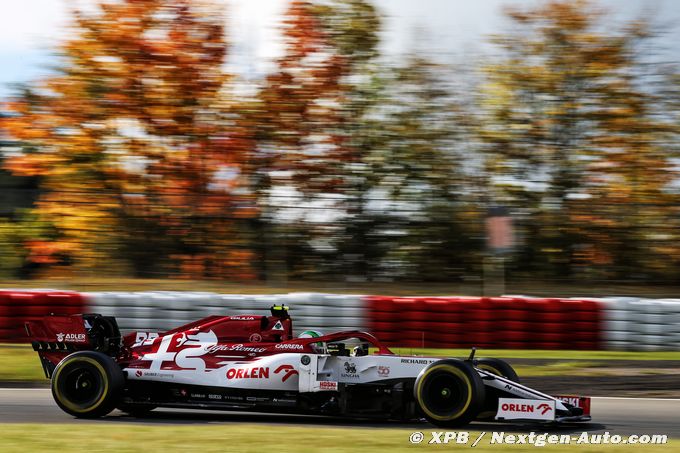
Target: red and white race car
[{"x": 253, "y": 362}]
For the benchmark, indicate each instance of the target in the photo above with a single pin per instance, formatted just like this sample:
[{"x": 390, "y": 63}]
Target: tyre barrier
[
  {"x": 164, "y": 310},
  {"x": 514, "y": 322},
  {"x": 19, "y": 306},
  {"x": 641, "y": 324},
  {"x": 486, "y": 322}
]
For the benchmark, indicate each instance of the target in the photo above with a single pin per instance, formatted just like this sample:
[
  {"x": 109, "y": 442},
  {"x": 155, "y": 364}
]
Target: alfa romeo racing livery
[{"x": 254, "y": 363}]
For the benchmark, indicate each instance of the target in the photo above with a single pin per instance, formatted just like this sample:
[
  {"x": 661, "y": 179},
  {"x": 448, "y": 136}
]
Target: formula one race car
[{"x": 253, "y": 363}]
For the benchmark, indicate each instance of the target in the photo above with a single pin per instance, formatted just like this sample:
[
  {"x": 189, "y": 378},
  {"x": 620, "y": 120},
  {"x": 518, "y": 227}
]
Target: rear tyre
[
  {"x": 87, "y": 384},
  {"x": 499, "y": 368},
  {"x": 450, "y": 393}
]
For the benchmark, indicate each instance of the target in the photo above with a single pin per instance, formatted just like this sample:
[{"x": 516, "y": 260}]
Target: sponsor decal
[
  {"x": 214, "y": 397},
  {"x": 234, "y": 347},
  {"x": 287, "y": 370},
  {"x": 198, "y": 395},
  {"x": 193, "y": 346},
  {"x": 383, "y": 371},
  {"x": 417, "y": 361},
  {"x": 350, "y": 368},
  {"x": 255, "y": 338},
  {"x": 519, "y": 392},
  {"x": 278, "y": 326},
  {"x": 72, "y": 337},
  {"x": 242, "y": 318},
  {"x": 152, "y": 374},
  {"x": 189, "y": 349},
  {"x": 573, "y": 400},
  {"x": 577, "y": 401},
  {"x": 544, "y": 408},
  {"x": 511, "y": 408},
  {"x": 350, "y": 371},
  {"x": 78, "y": 337},
  {"x": 328, "y": 385},
  {"x": 258, "y": 372},
  {"x": 288, "y": 346}
]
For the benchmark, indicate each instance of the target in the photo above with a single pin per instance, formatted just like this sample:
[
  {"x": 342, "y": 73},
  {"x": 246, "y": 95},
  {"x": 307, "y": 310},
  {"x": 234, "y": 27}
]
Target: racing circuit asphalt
[{"x": 623, "y": 416}]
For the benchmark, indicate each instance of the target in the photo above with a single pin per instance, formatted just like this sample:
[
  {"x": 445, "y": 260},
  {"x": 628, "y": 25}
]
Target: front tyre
[
  {"x": 450, "y": 393},
  {"x": 499, "y": 368},
  {"x": 87, "y": 384}
]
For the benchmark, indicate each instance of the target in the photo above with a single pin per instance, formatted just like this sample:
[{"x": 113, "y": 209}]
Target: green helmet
[{"x": 312, "y": 334}]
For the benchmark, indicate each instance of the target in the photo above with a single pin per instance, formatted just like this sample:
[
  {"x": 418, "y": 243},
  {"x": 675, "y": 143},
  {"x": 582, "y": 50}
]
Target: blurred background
[{"x": 347, "y": 142}]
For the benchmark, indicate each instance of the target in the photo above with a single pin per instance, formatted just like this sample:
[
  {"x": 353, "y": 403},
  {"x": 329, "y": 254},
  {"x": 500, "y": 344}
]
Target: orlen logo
[
  {"x": 288, "y": 371},
  {"x": 526, "y": 408},
  {"x": 248, "y": 373},
  {"x": 543, "y": 407},
  {"x": 74, "y": 337}
]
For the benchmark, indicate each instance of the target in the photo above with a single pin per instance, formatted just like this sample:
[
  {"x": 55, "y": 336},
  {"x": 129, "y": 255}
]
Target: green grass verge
[
  {"x": 21, "y": 363},
  {"x": 22, "y": 438}
]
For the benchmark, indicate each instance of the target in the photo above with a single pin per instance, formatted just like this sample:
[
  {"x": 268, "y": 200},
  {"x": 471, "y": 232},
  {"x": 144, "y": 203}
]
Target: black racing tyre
[
  {"x": 449, "y": 392},
  {"x": 500, "y": 368},
  {"x": 87, "y": 384}
]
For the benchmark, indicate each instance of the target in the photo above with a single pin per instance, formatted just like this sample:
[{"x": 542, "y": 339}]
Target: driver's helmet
[{"x": 317, "y": 347}]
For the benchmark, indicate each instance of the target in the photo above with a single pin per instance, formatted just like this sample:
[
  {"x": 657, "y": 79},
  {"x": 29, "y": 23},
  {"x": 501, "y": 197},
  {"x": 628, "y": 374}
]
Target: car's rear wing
[{"x": 56, "y": 336}]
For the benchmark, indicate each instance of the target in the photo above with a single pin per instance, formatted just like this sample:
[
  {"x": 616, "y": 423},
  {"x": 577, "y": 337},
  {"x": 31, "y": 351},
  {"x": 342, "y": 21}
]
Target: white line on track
[{"x": 24, "y": 388}]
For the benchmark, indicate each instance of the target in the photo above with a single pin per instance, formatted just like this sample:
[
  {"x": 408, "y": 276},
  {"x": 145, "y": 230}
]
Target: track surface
[{"x": 622, "y": 416}]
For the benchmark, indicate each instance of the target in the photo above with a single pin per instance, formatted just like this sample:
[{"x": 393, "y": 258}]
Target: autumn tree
[
  {"x": 572, "y": 139},
  {"x": 137, "y": 160},
  {"x": 301, "y": 119}
]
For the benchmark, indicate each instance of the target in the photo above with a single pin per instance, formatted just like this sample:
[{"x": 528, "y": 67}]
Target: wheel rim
[
  {"x": 82, "y": 385},
  {"x": 444, "y": 394}
]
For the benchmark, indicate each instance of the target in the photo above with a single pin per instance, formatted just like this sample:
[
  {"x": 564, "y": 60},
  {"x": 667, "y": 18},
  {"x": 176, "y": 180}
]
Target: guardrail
[{"x": 516, "y": 322}]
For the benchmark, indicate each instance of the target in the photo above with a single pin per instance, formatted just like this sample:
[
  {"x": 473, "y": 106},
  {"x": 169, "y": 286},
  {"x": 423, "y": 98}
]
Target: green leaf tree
[{"x": 573, "y": 141}]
